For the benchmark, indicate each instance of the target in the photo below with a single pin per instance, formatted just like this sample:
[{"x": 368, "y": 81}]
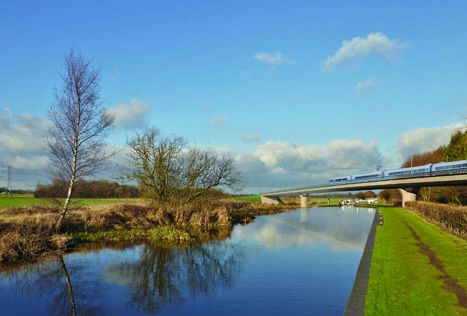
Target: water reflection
[
  {"x": 152, "y": 277},
  {"x": 309, "y": 256},
  {"x": 50, "y": 284},
  {"x": 335, "y": 228},
  {"x": 168, "y": 276}
]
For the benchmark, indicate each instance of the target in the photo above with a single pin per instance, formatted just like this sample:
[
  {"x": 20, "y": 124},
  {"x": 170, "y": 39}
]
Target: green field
[
  {"x": 416, "y": 269},
  {"x": 20, "y": 200}
]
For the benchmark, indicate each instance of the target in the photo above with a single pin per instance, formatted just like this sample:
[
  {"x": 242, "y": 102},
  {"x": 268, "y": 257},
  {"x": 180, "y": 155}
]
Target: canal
[{"x": 301, "y": 262}]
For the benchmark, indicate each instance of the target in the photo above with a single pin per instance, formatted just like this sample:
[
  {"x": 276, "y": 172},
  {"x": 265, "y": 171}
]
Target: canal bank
[
  {"x": 356, "y": 303},
  {"x": 415, "y": 268}
]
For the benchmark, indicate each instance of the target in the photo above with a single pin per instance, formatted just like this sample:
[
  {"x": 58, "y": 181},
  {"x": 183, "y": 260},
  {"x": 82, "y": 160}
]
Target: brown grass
[
  {"x": 450, "y": 218},
  {"x": 28, "y": 233}
]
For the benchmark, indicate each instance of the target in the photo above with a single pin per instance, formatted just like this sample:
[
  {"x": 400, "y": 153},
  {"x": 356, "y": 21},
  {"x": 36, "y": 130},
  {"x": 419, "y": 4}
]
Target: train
[{"x": 433, "y": 169}]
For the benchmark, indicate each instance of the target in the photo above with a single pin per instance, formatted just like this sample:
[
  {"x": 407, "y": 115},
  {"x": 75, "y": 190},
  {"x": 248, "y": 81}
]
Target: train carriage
[
  {"x": 340, "y": 180},
  {"x": 449, "y": 167},
  {"x": 441, "y": 168},
  {"x": 409, "y": 172},
  {"x": 372, "y": 176}
]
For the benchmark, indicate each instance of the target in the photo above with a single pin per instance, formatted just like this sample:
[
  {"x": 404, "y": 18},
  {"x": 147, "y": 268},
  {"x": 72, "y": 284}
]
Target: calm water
[{"x": 301, "y": 262}]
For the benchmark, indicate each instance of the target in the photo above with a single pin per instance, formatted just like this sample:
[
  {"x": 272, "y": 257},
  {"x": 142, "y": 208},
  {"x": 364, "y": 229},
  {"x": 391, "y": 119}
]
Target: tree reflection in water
[
  {"x": 160, "y": 277},
  {"x": 50, "y": 282},
  {"x": 168, "y": 276}
]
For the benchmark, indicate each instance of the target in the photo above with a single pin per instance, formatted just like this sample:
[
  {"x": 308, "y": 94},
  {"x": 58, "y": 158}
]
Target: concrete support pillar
[
  {"x": 408, "y": 196},
  {"x": 274, "y": 200},
  {"x": 303, "y": 200},
  {"x": 303, "y": 216}
]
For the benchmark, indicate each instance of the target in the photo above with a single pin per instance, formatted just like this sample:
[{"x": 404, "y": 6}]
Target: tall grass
[{"x": 28, "y": 233}]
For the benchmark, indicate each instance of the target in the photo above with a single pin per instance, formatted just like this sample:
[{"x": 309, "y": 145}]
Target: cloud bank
[
  {"x": 424, "y": 139},
  {"x": 23, "y": 148},
  {"x": 276, "y": 165},
  {"x": 270, "y": 166}
]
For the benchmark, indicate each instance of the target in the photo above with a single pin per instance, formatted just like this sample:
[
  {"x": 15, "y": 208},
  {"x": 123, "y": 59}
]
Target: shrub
[{"x": 450, "y": 218}]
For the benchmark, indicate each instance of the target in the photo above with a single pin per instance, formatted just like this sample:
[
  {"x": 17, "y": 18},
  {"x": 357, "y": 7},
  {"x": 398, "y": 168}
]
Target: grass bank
[
  {"x": 417, "y": 268},
  {"x": 27, "y": 233}
]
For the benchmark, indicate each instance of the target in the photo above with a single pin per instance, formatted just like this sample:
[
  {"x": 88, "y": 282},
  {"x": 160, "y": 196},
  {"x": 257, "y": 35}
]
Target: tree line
[{"x": 87, "y": 189}]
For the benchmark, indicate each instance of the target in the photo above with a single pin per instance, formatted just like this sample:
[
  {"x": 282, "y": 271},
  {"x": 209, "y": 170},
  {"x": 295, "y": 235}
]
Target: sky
[{"x": 298, "y": 92}]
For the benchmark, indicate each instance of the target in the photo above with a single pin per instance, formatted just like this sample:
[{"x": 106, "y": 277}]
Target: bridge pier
[
  {"x": 303, "y": 200},
  {"x": 408, "y": 195},
  {"x": 274, "y": 200}
]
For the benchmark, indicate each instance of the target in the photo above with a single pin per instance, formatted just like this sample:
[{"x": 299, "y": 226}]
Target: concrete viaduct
[{"x": 408, "y": 187}]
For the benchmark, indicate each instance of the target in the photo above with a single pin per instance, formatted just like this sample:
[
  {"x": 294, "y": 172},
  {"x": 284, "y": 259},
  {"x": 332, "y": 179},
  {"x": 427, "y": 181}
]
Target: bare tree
[
  {"x": 170, "y": 171},
  {"x": 80, "y": 125},
  {"x": 154, "y": 162},
  {"x": 205, "y": 169}
]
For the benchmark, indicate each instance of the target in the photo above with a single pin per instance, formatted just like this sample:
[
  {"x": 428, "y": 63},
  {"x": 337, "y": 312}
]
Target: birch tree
[{"x": 80, "y": 125}]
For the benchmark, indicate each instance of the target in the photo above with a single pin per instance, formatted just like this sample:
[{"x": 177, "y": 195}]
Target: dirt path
[{"x": 450, "y": 284}]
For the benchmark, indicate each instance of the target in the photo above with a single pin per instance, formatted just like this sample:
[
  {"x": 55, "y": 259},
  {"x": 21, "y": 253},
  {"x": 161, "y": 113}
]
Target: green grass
[
  {"x": 110, "y": 236},
  {"x": 403, "y": 280},
  {"x": 164, "y": 233},
  {"x": 168, "y": 233},
  {"x": 247, "y": 198},
  {"x": 21, "y": 200}
]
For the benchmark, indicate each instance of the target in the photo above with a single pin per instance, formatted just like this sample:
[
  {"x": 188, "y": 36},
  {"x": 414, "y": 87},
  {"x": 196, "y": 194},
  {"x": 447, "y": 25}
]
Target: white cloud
[
  {"x": 23, "y": 147},
  {"x": 130, "y": 115},
  {"x": 218, "y": 119},
  {"x": 29, "y": 162},
  {"x": 276, "y": 165},
  {"x": 250, "y": 138},
  {"x": 273, "y": 59},
  {"x": 375, "y": 44},
  {"x": 366, "y": 87},
  {"x": 424, "y": 139},
  {"x": 22, "y": 133},
  {"x": 349, "y": 154}
]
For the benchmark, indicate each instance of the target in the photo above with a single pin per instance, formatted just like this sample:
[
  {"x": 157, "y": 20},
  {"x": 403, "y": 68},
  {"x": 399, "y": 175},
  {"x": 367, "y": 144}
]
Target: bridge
[{"x": 408, "y": 187}]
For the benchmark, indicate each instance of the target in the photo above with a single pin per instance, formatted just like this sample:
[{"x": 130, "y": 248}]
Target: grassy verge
[{"x": 417, "y": 269}]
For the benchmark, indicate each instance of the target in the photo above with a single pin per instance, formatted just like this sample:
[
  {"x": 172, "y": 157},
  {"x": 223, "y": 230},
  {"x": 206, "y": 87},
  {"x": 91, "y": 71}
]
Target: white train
[{"x": 419, "y": 171}]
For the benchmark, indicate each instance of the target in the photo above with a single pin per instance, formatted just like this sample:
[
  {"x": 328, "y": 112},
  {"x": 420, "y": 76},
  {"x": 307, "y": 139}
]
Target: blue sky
[{"x": 297, "y": 91}]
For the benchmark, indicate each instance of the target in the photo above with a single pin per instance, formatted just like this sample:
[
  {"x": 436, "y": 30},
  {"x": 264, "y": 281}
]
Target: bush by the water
[{"x": 451, "y": 218}]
